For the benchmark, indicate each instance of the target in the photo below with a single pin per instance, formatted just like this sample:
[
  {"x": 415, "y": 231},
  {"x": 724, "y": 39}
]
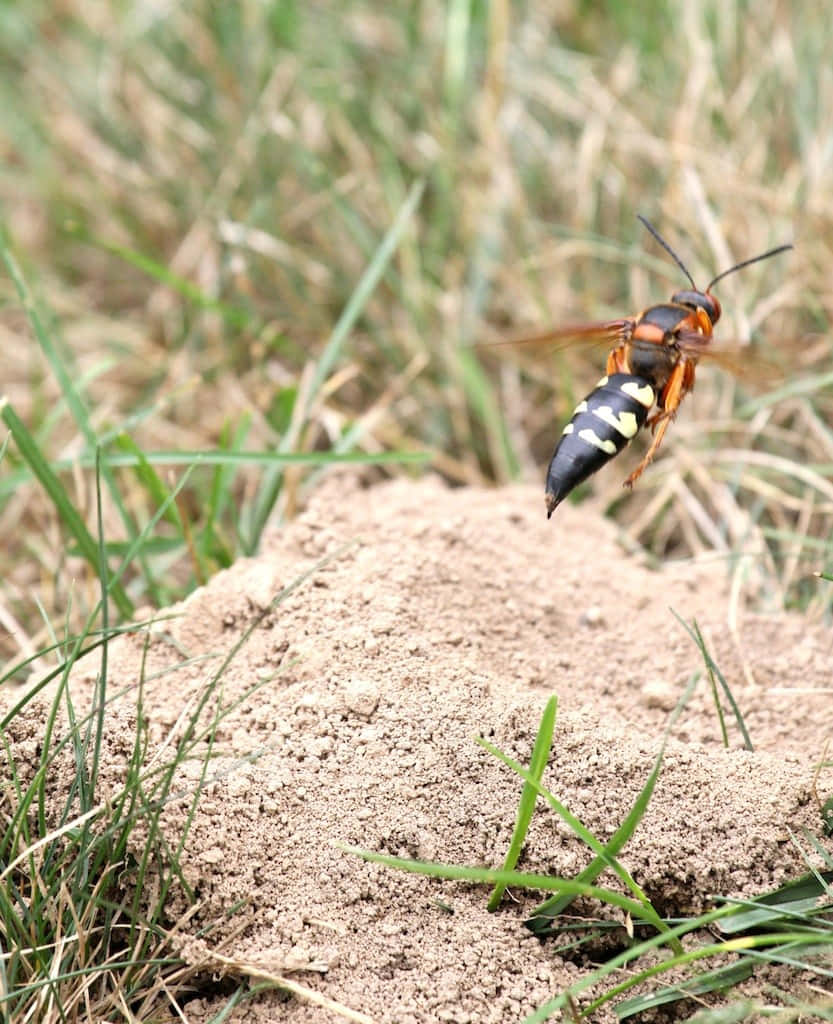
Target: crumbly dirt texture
[{"x": 437, "y": 616}]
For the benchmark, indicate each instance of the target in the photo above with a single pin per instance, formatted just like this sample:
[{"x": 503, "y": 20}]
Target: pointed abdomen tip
[{"x": 552, "y": 504}]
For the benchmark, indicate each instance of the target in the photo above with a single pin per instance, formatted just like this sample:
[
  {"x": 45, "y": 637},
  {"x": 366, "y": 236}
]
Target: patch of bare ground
[{"x": 443, "y": 614}]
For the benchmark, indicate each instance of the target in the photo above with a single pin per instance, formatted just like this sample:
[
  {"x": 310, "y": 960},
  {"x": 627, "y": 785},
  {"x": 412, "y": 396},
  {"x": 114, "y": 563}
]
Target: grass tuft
[
  {"x": 715, "y": 676},
  {"x": 87, "y": 882},
  {"x": 792, "y": 925}
]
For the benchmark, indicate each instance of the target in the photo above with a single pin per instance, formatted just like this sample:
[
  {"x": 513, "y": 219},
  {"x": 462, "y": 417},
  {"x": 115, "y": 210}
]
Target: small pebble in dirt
[
  {"x": 593, "y": 616},
  {"x": 659, "y": 693},
  {"x": 361, "y": 697}
]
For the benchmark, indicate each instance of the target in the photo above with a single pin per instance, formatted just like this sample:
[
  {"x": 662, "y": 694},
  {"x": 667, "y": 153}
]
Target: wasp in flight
[{"x": 650, "y": 368}]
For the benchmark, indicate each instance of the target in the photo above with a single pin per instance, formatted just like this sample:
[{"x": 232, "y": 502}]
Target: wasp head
[
  {"x": 699, "y": 300},
  {"x": 694, "y": 299}
]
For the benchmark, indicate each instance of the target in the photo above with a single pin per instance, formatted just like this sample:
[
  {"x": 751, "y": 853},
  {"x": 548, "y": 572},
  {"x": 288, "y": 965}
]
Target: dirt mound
[{"x": 441, "y": 615}]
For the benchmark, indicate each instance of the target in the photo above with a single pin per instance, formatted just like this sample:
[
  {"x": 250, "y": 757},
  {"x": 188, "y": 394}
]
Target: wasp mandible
[{"x": 651, "y": 368}]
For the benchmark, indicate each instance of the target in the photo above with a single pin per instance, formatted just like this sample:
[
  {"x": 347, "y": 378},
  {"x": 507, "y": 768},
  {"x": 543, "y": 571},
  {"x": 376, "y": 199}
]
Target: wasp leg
[
  {"x": 617, "y": 361},
  {"x": 679, "y": 384},
  {"x": 649, "y": 455}
]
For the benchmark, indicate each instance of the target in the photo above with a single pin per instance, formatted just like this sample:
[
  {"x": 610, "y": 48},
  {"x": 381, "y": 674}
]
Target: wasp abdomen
[{"x": 602, "y": 425}]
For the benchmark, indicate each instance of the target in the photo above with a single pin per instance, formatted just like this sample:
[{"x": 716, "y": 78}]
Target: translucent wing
[
  {"x": 741, "y": 360},
  {"x": 606, "y": 333}
]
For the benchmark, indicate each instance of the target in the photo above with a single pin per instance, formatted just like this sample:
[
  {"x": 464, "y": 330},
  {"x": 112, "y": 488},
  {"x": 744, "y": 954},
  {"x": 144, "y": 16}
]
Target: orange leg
[
  {"x": 677, "y": 387},
  {"x": 616, "y": 362}
]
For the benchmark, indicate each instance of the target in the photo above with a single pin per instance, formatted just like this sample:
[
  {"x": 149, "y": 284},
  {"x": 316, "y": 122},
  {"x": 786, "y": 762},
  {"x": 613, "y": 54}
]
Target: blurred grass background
[{"x": 281, "y": 227}]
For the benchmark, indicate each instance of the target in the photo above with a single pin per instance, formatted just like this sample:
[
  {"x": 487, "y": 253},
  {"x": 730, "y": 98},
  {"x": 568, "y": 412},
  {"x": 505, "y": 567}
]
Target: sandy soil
[{"x": 440, "y": 616}]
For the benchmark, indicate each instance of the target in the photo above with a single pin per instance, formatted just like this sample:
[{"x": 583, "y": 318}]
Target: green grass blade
[
  {"x": 529, "y": 794},
  {"x": 101, "y": 679},
  {"x": 86, "y": 460},
  {"x": 732, "y": 946},
  {"x": 810, "y": 385},
  {"x": 158, "y": 495},
  {"x": 633, "y": 953},
  {"x": 237, "y": 458},
  {"x": 713, "y": 670},
  {"x": 365, "y": 288},
  {"x": 67, "y": 513},
  {"x": 220, "y": 495},
  {"x": 481, "y": 396},
  {"x": 805, "y": 896},
  {"x": 499, "y": 877},
  {"x": 716, "y": 980},
  {"x": 148, "y": 478},
  {"x": 233, "y": 315},
  {"x": 271, "y": 485},
  {"x": 58, "y": 365},
  {"x": 540, "y": 923}
]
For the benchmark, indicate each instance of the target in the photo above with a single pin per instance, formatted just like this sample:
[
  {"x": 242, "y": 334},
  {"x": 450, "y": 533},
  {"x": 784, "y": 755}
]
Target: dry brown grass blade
[{"x": 274, "y": 973}]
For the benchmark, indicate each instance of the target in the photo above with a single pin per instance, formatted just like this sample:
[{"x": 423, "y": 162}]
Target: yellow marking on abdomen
[
  {"x": 568, "y": 429},
  {"x": 592, "y": 438},
  {"x": 644, "y": 394},
  {"x": 625, "y": 423}
]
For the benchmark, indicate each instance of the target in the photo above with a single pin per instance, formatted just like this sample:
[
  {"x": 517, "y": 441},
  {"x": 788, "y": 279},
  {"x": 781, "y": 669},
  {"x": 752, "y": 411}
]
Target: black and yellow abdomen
[{"x": 602, "y": 425}]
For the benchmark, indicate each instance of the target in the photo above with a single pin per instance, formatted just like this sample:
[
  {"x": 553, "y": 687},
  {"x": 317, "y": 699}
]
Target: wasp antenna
[
  {"x": 745, "y": 263},
  {"x": 668, "y": 249}
]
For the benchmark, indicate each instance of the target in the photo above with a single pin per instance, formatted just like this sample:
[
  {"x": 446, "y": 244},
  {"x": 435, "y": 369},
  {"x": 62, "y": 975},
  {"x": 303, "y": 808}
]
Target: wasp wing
[
  {"x": 604, "y": 333},
  {"x": 738, "y": 358}
]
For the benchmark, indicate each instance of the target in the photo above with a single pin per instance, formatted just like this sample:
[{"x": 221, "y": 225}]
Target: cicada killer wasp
[{"x": 650, "y": 368}]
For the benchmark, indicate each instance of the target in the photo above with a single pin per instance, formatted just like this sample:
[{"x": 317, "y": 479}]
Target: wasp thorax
[
  {"x": 699, "y": 300},
  {"x": 653, "y": 363}
]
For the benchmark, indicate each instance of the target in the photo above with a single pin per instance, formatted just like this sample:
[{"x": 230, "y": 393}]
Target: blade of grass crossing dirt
[
  {"x": 497, "y": 876},
  {"x": 529, "y": 794},
  {"x": 67, "y": 513},
  {"x": 271, "y": 485},
  {"x": 87, "y": 742},
  {"x": 713, "y": 670},
  {"x": 669, "y": 936},
  {"x": 795, "y": 901},
  {"x": 747, "y": 945},
  {"x": 718, "y": 980},
  {"x": 721, "y": 718},
  {"x": 541, "y": 920},
  {"x": 617, "y": 963}
]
